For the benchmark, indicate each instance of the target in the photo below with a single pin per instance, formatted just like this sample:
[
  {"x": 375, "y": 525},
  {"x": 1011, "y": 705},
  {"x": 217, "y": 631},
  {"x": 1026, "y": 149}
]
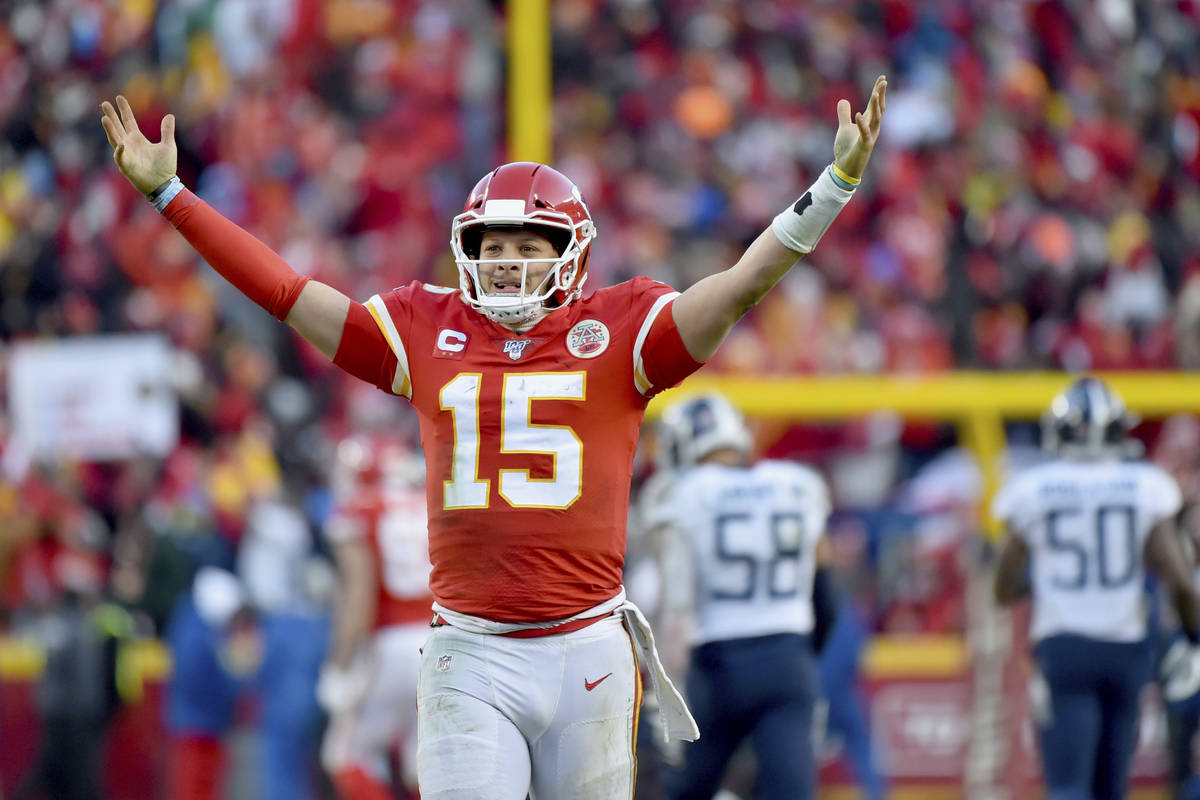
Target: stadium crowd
[{"x": 1034, "y": 204}]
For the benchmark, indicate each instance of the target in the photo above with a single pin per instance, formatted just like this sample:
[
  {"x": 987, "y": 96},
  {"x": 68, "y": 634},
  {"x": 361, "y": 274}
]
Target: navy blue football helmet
[
  {"x": 694, "y": 428},
  {"x": 1087, "y": 420}
]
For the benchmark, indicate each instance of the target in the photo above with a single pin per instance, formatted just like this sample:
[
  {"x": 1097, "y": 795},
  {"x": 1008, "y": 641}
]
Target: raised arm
[
  {"x": 705, "y": 313},
  {"x": 316, "y": 311}
]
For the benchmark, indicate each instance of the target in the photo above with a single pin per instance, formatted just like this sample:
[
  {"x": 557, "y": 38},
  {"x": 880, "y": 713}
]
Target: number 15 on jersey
[{"x": 467, "y": 488}]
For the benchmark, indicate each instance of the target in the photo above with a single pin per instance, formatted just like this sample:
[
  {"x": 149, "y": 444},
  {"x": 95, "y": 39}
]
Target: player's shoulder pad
[
  {"x": 660, "y": 486},
  {"x": 646, "y": 282},
  {"x": 1153, "y": 471},
  {"x": 1033, "y": 475},
  {"x": 1160, "y": 483},
  {"x": 416, "y": 290},
  {"x": 1019, "y": 485},
  {"x": 791, "y": 470},
  {"x": 634, "y": 287},
  {"x": 805, "y": 482}
]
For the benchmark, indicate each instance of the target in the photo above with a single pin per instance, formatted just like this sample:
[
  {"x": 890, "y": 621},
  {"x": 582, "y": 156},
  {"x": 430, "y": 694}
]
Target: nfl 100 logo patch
[
  {"x": 443, "y": 663},
  {"x": 588, "y": 338},
  {"x": 515, "y": 348}
]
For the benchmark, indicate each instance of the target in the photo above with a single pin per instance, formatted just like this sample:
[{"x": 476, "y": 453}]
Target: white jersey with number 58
[
  {"x": 1085, "y": 524},
  {"x": 746, "y": 540}
]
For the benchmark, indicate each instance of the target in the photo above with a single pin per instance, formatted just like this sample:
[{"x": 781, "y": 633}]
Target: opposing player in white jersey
[
  {"x": 369, "y": 682},
  {"x": 739, "y": 552},
  {"x": 1084, "y": 528}
]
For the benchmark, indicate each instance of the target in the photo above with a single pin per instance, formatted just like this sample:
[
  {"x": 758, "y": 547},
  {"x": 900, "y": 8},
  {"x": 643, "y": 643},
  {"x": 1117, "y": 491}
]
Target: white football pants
[{"x": 554, "y": 717}]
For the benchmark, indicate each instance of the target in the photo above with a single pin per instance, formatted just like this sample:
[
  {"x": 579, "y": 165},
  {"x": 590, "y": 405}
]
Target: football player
[
  {"x": 530, "y": 397},
  {"x": 369, "y": 681},
  {"x": 1083, "y": 529},
  {"x": 739, "y": 544}
]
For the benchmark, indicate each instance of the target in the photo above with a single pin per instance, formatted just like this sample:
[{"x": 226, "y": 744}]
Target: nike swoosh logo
[{"x": 589, "y": 685}]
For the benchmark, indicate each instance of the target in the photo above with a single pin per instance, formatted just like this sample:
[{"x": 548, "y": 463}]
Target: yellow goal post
[{"x": 977, "y": 403}]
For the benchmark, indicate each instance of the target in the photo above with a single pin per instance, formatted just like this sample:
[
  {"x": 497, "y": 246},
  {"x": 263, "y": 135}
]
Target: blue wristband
[{"x": 850, "y": 187}]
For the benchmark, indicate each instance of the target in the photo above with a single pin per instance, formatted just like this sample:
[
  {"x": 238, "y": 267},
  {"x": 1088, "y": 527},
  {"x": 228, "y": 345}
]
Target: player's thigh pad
[
  {"x": 467, "y": 748},
  {"x": 587, "y": 752}
]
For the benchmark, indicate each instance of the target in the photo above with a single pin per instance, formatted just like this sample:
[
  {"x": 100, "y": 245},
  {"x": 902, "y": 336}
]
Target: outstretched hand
[
  {"x": 856, "y": 137},
  {"x": 146, "y": 164}
]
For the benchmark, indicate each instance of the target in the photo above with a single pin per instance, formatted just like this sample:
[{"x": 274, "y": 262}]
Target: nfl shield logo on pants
[{"x": 443, "y": 663}]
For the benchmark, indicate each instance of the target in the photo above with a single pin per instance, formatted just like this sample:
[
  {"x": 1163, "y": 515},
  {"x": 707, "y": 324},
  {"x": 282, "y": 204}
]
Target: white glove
[
  {"x": 1040, "y": 704},
  {"x": 340, "y": 689},
  {"x": 1180, "y": 671}
]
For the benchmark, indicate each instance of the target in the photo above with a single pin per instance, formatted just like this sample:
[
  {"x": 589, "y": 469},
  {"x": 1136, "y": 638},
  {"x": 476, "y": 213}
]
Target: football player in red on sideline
[
  {"x": 530, "y": 398},
  {"x": 368, "y": 684}
]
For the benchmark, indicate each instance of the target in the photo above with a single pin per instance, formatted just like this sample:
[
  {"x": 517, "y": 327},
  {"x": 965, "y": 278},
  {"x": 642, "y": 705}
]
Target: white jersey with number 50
[
  {"x": 752, "y": 536},
  {"x": 1086, "y": 524}
]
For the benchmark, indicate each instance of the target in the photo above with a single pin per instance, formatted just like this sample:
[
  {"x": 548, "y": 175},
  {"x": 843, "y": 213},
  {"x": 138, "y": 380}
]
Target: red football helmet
[
  {"x": 375, "y": 462},
  {"x": 519, "y": 195}
]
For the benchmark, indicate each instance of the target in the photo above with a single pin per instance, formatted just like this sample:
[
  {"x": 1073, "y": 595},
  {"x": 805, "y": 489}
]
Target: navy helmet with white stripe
[
  {"x": 1087, "y": 420},
  {"x": 694, "y": 428}
]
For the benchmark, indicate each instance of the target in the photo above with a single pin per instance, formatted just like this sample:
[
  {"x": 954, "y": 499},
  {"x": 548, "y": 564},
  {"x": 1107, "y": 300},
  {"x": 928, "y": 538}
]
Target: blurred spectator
[
  {"x": 216, "y": 648},
  {"x": 292, "y": 592},
  {"x": 77, "y": 691},
  {"x": 295, "y": 640}
]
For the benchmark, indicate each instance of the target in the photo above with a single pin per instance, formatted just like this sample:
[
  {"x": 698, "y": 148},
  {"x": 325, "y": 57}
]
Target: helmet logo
[
  {"x": 515, "y": 348},
  {"x": 588, "y": 338}
]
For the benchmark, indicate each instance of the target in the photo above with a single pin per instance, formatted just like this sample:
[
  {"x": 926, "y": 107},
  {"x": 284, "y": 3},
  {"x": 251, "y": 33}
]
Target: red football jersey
[
  {"x": 529, "y": 439},
  {"x": 392, "y": 523}
]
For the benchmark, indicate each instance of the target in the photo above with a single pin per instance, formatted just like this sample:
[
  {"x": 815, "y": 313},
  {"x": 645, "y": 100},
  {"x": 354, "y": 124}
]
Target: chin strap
[{"x": 526, "y": 312}]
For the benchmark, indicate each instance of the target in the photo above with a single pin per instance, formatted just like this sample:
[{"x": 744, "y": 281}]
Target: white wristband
[
  {"x": 161, "y": 197},
  {"x": 800, "y": 227}
]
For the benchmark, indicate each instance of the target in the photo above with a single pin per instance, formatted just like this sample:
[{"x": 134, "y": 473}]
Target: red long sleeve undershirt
[
  {"x": 255, "y": 269},
  {"x": 258, "y": 272}
]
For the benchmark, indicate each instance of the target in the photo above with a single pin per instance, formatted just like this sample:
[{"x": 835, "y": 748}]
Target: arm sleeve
[
  {"x": 260, "y": 274},
  {"x": 254, "y": 269}
]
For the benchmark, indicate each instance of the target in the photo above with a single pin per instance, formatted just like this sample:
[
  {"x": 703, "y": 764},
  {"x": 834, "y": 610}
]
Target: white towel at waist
[{"x": 677, "y": 720}]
